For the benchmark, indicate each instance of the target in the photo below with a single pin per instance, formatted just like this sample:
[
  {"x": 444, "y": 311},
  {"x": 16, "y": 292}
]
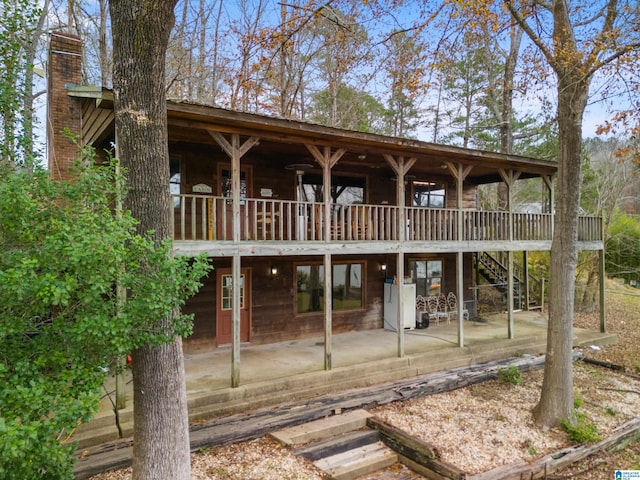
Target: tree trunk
[
  {"x": 556, "y": 399},
  {"x": 506, "y": 113},
  {"x": 588, "y": 302},
  {"x": 140, "y": 36},
  {"x": 104, "y": 55}
]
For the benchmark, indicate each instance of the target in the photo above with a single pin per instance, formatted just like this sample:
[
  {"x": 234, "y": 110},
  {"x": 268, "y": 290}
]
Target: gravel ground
[
  {"x": 260, "y": 459},
  {"x": 482, "y": 426},
  {"x": 490, "y": 424}
]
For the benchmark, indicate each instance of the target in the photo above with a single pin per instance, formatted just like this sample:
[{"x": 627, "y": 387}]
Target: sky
[{"x": 595, "y": 114}]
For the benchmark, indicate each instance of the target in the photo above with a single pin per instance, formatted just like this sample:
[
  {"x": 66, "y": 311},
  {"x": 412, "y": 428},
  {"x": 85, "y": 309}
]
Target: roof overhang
[{"x": 191, "y": 123}]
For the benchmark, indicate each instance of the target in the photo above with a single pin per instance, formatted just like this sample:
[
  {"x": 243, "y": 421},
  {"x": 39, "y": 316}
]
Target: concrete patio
[{"x": 284, "y": 372}]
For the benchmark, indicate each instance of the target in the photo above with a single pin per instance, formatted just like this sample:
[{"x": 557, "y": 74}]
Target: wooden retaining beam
[
  {"x": 619, "y": 439},
  {"x": 423, "y": 458},
  {"x": 418, "y": 455}
]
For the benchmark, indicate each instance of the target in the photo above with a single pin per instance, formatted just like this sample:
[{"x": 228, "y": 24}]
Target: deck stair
[
  {"x": 341, "y": 445},
  {"x": 493, "y": 269}
]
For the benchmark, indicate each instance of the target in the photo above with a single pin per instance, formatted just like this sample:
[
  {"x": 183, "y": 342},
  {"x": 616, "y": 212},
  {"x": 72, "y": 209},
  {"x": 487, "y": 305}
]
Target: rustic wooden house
[{"x": 306, "y": 224}]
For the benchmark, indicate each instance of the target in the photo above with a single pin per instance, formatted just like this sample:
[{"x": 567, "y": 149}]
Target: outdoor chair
[
  {"x": 421, "y": 303},
  {"x": 452, "y": 305},
  {"x": 435, "y": 313},
  {"x": 442, "y": 307},
  {"x": 421, "y": 307}
]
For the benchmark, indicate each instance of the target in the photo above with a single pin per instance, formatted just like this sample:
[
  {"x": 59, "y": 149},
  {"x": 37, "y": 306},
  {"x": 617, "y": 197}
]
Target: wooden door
[{"x": 224, "y": 293}]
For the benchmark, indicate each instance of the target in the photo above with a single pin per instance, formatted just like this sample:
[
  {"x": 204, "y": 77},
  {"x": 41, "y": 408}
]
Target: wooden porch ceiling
[{"x": 283, "y": 142}]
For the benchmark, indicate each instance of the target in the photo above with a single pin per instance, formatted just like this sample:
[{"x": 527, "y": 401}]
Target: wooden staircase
[
  {"x": 342, "y": 445},
  {"x": 493, "y": 269}
]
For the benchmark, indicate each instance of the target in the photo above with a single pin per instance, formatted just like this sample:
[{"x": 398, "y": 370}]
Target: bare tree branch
[{"x": 517, "y": 15}]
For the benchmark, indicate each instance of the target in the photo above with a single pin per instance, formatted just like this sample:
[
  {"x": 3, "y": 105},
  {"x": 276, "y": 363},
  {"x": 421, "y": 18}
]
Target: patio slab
[{"x": 290, "y": 371}]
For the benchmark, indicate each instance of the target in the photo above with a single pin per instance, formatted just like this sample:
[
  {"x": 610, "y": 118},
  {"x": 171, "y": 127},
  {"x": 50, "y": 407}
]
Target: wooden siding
[
  {"x": 203, "y": 307},
  {"x": 274, "y": 317}
]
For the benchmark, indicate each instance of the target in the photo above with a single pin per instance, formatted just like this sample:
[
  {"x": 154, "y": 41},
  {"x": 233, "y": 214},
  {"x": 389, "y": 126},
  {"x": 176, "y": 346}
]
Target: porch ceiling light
[
  {"x": 383, "y": 267},
  {"x": 274, "y": 270}
]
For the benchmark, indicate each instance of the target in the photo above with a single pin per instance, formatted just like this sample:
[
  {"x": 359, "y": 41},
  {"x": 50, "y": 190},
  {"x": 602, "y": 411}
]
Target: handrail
[
  {"x": 497, "y": 261},
  {"x": 205, "y": 217}
]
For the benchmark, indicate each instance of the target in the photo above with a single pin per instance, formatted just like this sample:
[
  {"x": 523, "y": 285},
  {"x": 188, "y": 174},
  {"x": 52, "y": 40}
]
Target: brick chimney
[{"x": 63, "y": 111}]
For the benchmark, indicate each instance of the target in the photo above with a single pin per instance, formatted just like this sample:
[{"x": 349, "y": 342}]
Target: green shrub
[
  {"x": 64, "y": 250},
  {"x": 578, "y": 399},
  {"x": 511, "y": 375},
  {"x": 583, "y": 431}
]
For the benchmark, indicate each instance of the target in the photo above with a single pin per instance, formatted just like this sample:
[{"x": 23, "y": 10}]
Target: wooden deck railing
[
  {"x": 200, "y": 217},
  {"x": 590, "y": 229}
]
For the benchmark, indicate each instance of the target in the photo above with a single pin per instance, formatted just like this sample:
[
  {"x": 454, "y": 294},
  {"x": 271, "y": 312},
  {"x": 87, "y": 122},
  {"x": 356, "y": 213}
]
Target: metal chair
[
  {"x": 452, "y": 305},
  {"x": 421, "y": 307},
  {"x": 435, "y": 313}
]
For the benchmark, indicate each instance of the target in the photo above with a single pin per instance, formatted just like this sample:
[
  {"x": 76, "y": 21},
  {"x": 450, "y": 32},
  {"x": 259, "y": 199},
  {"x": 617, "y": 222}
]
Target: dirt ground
[{"x": 484, "y": 425}]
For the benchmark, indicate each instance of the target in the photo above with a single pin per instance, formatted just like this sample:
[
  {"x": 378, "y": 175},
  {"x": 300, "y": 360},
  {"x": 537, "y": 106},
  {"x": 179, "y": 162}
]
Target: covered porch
[
  {"x": 374, "y": 352},
  {"x": 278, "y": 373}
]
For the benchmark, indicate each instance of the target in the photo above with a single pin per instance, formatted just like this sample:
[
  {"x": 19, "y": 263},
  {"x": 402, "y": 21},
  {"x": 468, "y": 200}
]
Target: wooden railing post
[
  {"x": 548, "y": 181},
  {"x": 205, "y": 217},
  {"x": 510, "y": 177}
]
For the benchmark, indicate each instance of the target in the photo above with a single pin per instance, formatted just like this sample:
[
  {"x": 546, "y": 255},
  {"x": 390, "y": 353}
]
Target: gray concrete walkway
[{"x": 284, "y": 372}]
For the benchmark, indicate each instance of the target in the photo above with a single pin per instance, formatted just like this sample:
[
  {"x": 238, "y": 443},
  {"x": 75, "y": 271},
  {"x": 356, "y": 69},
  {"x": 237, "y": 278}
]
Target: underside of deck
[{"x": 278, "y": 249}]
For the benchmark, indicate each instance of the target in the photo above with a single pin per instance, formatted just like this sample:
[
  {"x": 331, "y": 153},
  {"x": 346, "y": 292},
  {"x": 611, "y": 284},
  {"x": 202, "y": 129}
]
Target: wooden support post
[
  {"x": 328, "y": 301},
  {"x": 601, "y": 274},
  {"x": 477, "y": 281},
  {"x": 327, "y": 159},
  {"x": 326, "y": 193},
  {"x": 400, "y": 304},
  {"x": 548, "y": 181},
  {"x": 460, "y": 172},
  {"x": 235, "y": 151},
  {"x": 525, "y": 280},
  {"x": 235, "y": 321},
  {"x": 121, "y": 384},
  {"x": 400, "y": 166},
  {"x": 400, "y": 265},
  {"x": 510, "y": 294},
  {"x": 510, "y": 177},
  {"x": 460, "y": 282}
]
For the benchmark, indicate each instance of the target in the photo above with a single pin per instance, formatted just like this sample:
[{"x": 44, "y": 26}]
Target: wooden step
[
  {"x": 89, "y": 438},
  {"x": 338, "y": 444},
  {"x": 322, "y": 429},
  {"x": 358, "y": 461}
]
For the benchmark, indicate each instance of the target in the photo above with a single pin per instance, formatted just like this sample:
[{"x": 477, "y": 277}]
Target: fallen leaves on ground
[{"x": 485, "y": 425}]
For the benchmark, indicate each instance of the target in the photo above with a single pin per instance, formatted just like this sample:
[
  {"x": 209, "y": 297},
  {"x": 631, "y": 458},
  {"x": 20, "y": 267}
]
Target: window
[
  {"x": 344, "y": 190},
  {"x": 428, "y": 194},
  {"x": 347, "y": 287},
  {"x": 225, "y": 183},
  {"x": 227, "y": 292},
  {"x": 427, "y": 275},
  {"x": 175, "y": 180}
]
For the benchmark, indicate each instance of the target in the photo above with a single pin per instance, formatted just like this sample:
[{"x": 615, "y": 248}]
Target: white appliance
[{"x": 391, "y": 306}]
